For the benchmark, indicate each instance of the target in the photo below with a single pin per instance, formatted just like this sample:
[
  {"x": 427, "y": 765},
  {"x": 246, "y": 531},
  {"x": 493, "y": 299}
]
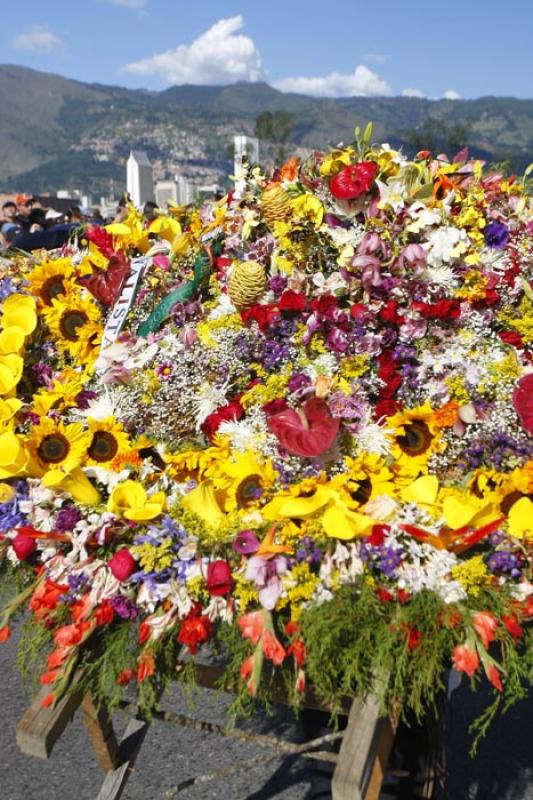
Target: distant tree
[
  {"x": 275, "y": 128},
  {"x": 438, "y": 136}
]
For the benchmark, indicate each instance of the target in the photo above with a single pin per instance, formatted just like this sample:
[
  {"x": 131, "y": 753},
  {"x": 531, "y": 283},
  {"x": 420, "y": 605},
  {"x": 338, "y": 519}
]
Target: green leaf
[{"x": 367, "y": 135}]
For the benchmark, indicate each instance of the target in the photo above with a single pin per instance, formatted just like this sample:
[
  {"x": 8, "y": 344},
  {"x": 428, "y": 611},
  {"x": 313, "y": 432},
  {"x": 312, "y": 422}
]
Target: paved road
[{"x": 503, "y": 769}]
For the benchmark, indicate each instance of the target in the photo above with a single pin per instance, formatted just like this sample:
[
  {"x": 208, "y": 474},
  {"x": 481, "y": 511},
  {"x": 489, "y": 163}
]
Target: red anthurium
[
  {"x": 308, "y": 432},
  {"x": 523, "y": 401}
]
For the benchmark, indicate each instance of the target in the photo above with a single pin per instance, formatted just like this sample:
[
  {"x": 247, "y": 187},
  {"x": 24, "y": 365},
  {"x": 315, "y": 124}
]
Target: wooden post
[
  {"x": 40, "y": 727},
  {"x": 101, "y": 733},
  {"x": 115, "y": 780}
]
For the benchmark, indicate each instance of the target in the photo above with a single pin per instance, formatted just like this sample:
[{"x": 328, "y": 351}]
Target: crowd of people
[{"x": 25, "y": 224}]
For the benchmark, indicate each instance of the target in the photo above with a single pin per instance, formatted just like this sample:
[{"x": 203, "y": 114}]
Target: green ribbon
[{"x": 202, "y": 271}]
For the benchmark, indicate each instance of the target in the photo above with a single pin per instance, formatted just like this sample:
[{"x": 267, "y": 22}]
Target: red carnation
[
  {"x": 442, "y": 309},
  {"x": 325, "y": 304},
  {"x": 219, "y": 580},
  {"x": 231, "y": 411},
  {"x": 291, "y": 302},
  {"x": 122, "y": 565},
  {"x": 23, "y": 546},
  {"x": 353, "y": 181},
  {"x": 195, "y": 630},
  {"x": 265, "y": 315},
  {"x": 512, "y": 338}
]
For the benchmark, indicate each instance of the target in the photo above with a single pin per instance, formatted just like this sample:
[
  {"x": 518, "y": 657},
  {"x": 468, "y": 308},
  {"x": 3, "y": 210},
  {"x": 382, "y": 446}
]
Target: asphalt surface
[{"x": 502, "y": 769}]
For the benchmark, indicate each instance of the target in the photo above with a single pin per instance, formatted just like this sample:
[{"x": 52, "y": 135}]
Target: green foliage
[{"x": 275, "y": 127}]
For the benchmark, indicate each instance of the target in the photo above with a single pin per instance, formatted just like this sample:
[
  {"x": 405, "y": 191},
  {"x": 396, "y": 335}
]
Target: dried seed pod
[{"x": 247, "y": 283}]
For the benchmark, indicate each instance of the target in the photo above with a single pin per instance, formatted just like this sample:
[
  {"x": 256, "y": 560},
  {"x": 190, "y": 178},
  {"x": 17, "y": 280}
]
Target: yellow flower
[
  {"x": 11, "y": 340},
  {"x": 56, "y": 449},
  {"x": 308, "y": 207},
  {"x": 8, "y": 409},
  {"x": 50, "y": 279},
  {"x": 62, "y": 394},
  {"x": 471, "y": 574},
  {"x": 203, "y": 502},
  {"x": 13, "y": 456},
  {"x": 109, "y": 439},
  {"x": 520, "y": 521},
  {"x": 11, "y": 367},
  {"x": 416, "y": 439},
  {"x": 167, "y": 227},
  {"x": 73, "y": 321},
  {"x": 129, "y": 500},
  {"x": 336, "y": 160},
  {"x": 243, "y": 478},
  {"x": 19, "y": 311}
]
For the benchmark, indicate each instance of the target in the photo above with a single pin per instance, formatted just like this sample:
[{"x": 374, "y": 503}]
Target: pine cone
[
  {"x": 247, "y": 283},
  {"x": 275, "y": 204}
]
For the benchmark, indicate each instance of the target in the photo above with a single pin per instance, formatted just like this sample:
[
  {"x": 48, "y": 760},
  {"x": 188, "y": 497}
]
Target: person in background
[
  {"x": 37, "y": 220},
  {"x": 9, "y": 211},
  {"x": 74, "y": 216},
  {"x": 53, "y": 217},
  {"x": 97, "y": 218},
  {"x": 122, "y": 208},
  {"x": 150, "y": 211},
  {"x": 25, "y": 204}
]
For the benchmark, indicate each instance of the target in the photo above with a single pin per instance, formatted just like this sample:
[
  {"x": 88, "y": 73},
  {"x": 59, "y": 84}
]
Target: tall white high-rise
[
  {"x": 140, "y": 178},
  {"x": 245, "y": 147}
]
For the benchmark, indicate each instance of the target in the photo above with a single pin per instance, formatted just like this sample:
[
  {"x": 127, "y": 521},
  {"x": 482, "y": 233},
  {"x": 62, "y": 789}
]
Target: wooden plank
[
  {"x": 40, "y": 728},
  {"x": 101, "y": 734},
  {"x": 386, "y": 740},
  {"x": 115, "y": 780},
  {"x": 358, "y": 751}
]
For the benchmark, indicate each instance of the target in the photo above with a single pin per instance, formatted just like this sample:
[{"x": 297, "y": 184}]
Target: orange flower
[
  {"x": 70, "y": 635},
  {"x": 446, "y": 416},
  {"x": 49, "y": 677},
  {"x": 465, "y": 659},
  {"x": 5, "y": 633},
  {"x": 485, "y": 624},
  {"x": 57, "y": 658},
  {"x": 289, "y": 170},
  {"x": 272, "y": 648},
  {"x": 146, "y": 666},
  {"x": 252, "y": 625},
  {"x": 48, "y": 700},
  {"x": 493, "y": 675}
]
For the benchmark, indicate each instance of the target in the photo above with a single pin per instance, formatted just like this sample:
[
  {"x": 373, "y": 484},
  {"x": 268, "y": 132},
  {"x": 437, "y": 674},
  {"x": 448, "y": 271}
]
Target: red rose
[
  {"x": 442, "y": 309},
  {"x": 231, "y": 411},
  {"x": 389, "y": 313},
  {"x": 292, "y": 302},
  {"x": 325, "y": 304},
  {"x": 386, "y": 408},
  {"x": 219, "y": 580},
  {"x": 354, "y": 180},
  {"x": 195, "y": 629},
  {"x": 23, "y": 546},
  {"x": 357, "y": 310},
  {"x": 512, "y": 338},
  {"x": 122, "y": 565}
]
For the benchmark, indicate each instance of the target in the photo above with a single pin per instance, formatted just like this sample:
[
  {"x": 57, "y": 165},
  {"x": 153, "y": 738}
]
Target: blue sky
[{"x": 464, "y": 48}]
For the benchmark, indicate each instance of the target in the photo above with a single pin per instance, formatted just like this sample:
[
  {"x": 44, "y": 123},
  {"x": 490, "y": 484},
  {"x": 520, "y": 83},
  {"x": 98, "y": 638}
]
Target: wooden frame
[{"x": 359, "y": 767}]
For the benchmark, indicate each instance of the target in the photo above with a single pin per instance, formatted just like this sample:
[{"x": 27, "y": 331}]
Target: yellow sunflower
[
  {"x": 51, "y": 279},
  {"x": 56, "y": 449},
  {"x": 417, "y": 438},
  {"x": 62, "y": 394},
  {"x": 244, "y": 478},
  {"x": 368, "y": 477},
  {"x": 108, "y": 440},
  {"x": 75, "y": 323}
]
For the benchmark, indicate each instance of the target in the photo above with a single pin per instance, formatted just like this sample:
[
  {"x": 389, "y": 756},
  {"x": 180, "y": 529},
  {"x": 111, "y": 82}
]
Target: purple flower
[
  {"x": 496, "y": 235},
  {"x": 246, "y": 542},
  {"x": 67, "y": 518},
  {"x": 277, "y": 283},
  {"x": 124, "y": 607}
]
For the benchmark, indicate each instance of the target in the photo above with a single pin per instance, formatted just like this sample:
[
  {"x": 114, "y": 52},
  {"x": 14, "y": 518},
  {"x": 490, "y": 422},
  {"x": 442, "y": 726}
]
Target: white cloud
[
  {"x": 38, "y": 38},
  {"x": 412, "y": 93},
  {"x": 362, "y": 82},
  {"x": 376, "y": 58},
  {"x": 128, "y": 3},
  {"x": 218, "y": 56},
  {"x": 451, "y": 94}
]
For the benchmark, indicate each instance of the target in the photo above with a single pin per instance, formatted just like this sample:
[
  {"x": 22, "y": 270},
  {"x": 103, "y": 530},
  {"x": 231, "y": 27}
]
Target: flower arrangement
[{"x": 309, "y": 445}]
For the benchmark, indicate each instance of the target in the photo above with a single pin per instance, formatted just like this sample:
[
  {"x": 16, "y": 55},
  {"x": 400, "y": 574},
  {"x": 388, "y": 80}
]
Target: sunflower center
[
  {"x": 363, "y": 491},
  {"x": 249, "y": 490},
  {"x": 54, "y": 448},
  {"x": 416, "y": 439},
  {"x": 70, "y": 322},
  {"x": 103, "y": 447},
  {"x": 52, "y": 288}
]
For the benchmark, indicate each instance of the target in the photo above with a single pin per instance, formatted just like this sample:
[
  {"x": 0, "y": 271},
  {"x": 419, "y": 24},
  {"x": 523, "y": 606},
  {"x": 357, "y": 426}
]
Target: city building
[{"x": 139, "y": 178}]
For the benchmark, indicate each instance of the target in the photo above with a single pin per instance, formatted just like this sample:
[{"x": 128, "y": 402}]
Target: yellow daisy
[
  {"x": 51, "y": 279},
  {"x": 56, "y": 449},
  {"x": 108, "y": 440},
  {"x": 74, "y": 321}
]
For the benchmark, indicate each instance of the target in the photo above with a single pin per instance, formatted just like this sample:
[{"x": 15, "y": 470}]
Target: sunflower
[
  {"x": 51, "y": 279},
  {"x": 56, "y": 449},
  {"x": 108, "y": 440},
  {"x": 74, "y": 321},
  {"x": 416, "y": 438},
  {"x": 244, "y": 478},
  {"x": 368, "y": 477},
  {"x": 63, "y": 393}
]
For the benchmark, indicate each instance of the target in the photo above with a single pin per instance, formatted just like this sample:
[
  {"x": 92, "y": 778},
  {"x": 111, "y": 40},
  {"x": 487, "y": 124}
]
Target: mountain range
[{"x": 60, "y": 133}]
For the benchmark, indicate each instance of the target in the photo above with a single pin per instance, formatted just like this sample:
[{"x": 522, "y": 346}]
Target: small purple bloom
[
  {"x": 246, "y": 542},
  {"x": 496, "y": 235},
  {"x": 67, "y": 518}
]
